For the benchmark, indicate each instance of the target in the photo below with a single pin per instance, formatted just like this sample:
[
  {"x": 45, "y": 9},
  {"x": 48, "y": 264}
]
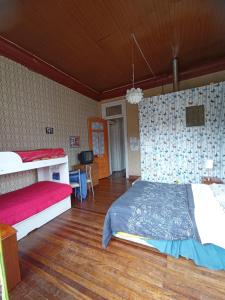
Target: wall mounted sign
[
  {"x": 49, "y": 130},
  {"x": 134, "y": 143},
  {"x": 74, "y": 141}
]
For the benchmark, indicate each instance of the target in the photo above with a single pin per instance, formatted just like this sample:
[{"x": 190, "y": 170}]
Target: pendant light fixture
[{"x": 135, "y": 95}]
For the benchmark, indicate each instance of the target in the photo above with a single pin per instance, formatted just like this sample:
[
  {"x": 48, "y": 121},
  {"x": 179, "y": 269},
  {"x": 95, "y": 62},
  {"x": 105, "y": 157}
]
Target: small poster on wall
[
  {"x": 134, "y": 143},
  {"x": 74, "y": 141}
]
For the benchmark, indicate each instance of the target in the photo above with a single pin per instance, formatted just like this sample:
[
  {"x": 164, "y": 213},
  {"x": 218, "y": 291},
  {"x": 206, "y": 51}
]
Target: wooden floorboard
[{"x": 64, "y": 260}]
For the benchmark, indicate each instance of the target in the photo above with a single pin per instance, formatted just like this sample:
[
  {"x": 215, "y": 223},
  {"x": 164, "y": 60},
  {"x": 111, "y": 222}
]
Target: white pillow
[{"x": 219, "y": 193}]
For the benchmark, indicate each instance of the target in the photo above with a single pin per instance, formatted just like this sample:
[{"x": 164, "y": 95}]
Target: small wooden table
[
  {"x": 10, "y": 255},
  {"x": 211, "y": 180},
  {"x": 94, "y": 171}
]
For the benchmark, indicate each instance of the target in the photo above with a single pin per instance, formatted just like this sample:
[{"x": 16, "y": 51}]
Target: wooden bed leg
[{"x": 10, "y": 255}]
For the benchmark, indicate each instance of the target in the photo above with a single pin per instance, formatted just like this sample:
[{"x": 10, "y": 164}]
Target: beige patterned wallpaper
[{"x": 29, "y": 103}]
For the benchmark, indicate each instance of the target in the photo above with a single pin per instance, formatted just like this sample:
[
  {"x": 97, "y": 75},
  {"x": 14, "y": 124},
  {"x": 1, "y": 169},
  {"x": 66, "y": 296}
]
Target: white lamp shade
[
  {"x": 209, "y": 164},
  {"x": 134, "y": 96}
]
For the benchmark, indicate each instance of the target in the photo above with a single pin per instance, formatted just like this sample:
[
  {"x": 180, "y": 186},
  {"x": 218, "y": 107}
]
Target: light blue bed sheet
[{"x": 207, "y": 255}]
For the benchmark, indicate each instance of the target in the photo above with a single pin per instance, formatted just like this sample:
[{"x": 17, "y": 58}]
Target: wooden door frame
[
  {"x": 123, "y": 115},
  {"x": 106, "y": 135}
]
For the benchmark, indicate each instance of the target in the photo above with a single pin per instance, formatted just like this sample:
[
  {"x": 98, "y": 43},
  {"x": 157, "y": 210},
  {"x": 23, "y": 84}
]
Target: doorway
[
  {"x": 115, "y": 114},
  {"x": 116, "y": 145},
  {"x": 98, "y": 142}
]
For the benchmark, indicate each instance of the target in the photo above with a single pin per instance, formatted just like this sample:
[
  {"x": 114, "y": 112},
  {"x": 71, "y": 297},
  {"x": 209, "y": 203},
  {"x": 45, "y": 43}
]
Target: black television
[{"x": 86, "y": 157}]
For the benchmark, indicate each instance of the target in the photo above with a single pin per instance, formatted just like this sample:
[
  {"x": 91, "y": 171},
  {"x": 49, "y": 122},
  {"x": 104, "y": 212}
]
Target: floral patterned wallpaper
[
  {"x": 30, "y": 102},
  {"x": 170, "y": 151}
]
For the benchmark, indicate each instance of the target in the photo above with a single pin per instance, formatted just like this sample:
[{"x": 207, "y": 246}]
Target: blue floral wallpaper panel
[{"x": 170, "y": 151}]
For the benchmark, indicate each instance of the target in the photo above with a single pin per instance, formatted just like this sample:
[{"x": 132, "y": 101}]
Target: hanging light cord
[
  {"x": 133, "y": 75},
  {"x": 133, "y": 62},
  {"x": 139, "y": 48}
]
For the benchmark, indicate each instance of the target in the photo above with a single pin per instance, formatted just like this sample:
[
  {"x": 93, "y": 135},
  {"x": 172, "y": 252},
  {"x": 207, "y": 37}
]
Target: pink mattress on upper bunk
[
  {"x": 21, "y": 204},
  {"x": 31, "y": 155}
]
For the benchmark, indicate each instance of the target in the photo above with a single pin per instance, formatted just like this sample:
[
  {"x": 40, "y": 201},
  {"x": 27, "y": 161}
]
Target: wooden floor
[{"x": 64, "y": 260}]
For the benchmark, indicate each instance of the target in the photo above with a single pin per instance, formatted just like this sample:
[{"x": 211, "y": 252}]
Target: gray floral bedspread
[{"x": 155, "y": 210}]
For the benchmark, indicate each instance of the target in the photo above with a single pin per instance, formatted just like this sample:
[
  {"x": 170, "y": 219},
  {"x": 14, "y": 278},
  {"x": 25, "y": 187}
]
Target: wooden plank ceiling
[{"x": 90, "y": 40}]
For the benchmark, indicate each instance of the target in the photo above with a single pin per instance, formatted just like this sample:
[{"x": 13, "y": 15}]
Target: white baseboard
[{"x": 41, "y": 218}]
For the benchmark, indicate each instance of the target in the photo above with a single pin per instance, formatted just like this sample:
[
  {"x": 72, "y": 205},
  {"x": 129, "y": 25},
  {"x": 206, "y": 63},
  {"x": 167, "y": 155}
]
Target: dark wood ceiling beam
[
  {"x": 90, "y": 40},
  {"x": 208, "y": 68},
  {"x": 36, "y": 64}
]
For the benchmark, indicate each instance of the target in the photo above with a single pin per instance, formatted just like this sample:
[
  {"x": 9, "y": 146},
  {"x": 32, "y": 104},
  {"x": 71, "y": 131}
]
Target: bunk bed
[{"x": 31, "y": 207}]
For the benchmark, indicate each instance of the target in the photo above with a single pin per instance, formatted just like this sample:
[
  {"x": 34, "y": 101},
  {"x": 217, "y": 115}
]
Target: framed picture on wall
[
  {"x": 74, "y": 141},
  {"x": 195, "y": 116}
]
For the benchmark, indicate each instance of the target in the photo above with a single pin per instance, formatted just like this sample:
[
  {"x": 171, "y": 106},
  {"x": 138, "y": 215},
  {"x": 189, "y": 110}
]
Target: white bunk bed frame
[{"x": 11, "y": 162}]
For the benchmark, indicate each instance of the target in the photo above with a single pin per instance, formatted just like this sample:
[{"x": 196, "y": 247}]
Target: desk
[
  {"x": 83, "y": 179},
  {"x": 94, "y": 171},
  {"x": 10, "y": 255},
  {"x": 211, "y": 180}
]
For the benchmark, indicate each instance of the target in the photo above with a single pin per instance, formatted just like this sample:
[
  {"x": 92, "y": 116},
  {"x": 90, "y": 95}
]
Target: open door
[{"x": 98, "y": 142}]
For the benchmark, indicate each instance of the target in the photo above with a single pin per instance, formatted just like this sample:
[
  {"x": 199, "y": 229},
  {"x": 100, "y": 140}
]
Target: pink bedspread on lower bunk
[
  {"x": 21, "y": 204},
  {"x": 31, "y": 155}
]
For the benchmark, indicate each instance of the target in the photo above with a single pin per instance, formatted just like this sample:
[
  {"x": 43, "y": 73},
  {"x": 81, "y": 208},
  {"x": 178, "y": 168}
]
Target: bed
[
  {"x": 39, "y": 154},
  {"x": 180, "y": 220},
  {"x": 31, "y": 207},
  {"x": 23, "y": 203}
]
